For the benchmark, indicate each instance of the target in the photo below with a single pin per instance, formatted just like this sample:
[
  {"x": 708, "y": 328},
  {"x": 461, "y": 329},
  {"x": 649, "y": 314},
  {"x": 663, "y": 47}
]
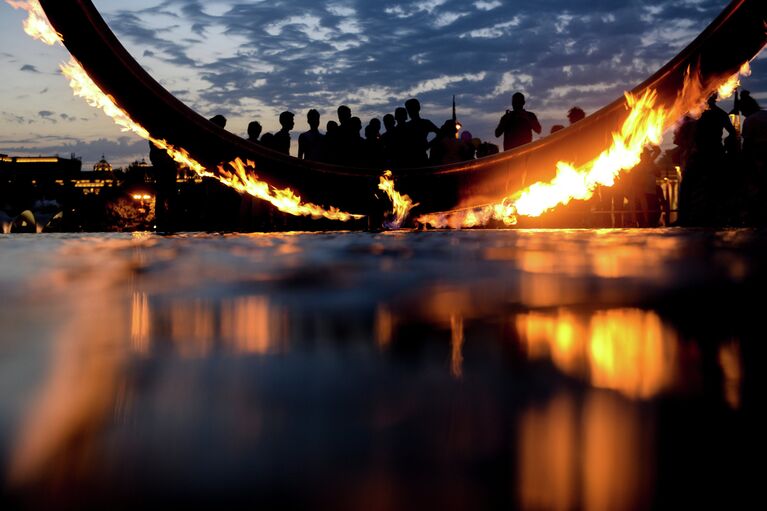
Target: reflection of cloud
[{"x": 30, "y": 68}]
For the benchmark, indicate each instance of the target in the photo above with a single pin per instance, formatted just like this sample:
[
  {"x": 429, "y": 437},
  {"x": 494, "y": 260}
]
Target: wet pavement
[{"x": 599, "y": 370}]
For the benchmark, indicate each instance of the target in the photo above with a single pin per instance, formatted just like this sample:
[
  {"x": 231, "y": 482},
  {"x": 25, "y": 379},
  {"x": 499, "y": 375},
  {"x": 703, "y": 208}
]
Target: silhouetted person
[
  {"x": 389, "y": 142},
  {"x": 755, "y": 156},
  {"x": 281, "y": 139},
  {"x": 254, "y": 131},
  {"x": 446, "y": 148},
  {"x": 467, "y": 148},
  {"x": 372, "y": 147},
  {"x": 417, "y": 132},
  {"x": 555, "y": 128},
  {"x": 643, "y": 189},
  {"x": 331, "y": 143},
  {"x": 165, "y": 169},
  {"x": 517, "y": 126},
  {"x": 310, "y": 142},
  {"x": 702, "y": 176},
  {"x": 219, "y": 120},
  {"x": 352, "y": 150},
  {"x": 575, "y": 114}
]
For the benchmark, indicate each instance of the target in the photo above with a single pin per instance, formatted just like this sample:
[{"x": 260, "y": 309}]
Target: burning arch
[{"x": 734, "y": 37}]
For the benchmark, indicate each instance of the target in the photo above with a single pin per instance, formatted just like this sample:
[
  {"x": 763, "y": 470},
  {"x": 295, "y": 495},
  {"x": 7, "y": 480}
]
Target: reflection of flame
[
  {"x": 729, "y": 360},
  {"x": 627, "y": 350},
  {"x": 456, "y": 345},
  {"x": 38, "y": 26},
  {"x": 573, "y": 454},
  {"x": 644, "y": 125},
  {"x": 401, "y": 204}
]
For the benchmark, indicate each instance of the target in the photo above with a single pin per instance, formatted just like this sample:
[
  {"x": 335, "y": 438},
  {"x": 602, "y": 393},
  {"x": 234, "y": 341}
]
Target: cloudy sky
[{"x": 253, "y": 59}]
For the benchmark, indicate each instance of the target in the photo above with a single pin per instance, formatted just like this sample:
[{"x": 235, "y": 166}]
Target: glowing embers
[
  {"x": 627, "y": 350},
  {"x": 36, "y": 25}
]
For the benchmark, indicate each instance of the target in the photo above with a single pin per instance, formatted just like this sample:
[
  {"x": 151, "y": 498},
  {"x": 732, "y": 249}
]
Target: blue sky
[{"x": 252, "y": 60}]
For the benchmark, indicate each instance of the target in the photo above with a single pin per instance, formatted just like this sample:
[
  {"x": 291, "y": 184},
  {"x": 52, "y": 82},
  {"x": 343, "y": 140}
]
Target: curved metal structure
[{"x": 733, "y": 38}]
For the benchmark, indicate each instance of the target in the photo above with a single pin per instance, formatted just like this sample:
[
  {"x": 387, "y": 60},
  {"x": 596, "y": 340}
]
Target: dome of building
[{"x": 103, "y": 165}]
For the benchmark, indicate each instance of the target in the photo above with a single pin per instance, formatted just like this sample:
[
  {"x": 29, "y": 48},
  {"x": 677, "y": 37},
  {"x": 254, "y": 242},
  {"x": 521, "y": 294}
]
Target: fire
[
  {"x": 401, "y": 204},
  {"x": 242, "y": 179},
  {"x": 644, "y": 125},
  {"x": 728, "y": 88},
  {"x": 36, "y": 24}
]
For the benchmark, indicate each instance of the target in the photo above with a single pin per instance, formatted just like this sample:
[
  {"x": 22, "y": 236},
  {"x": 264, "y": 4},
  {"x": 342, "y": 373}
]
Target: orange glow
[
  {"x": 244, "y": 181},
  {"x": 401, "y": 204},
  {"x": 242, "y": 178},
  {"x": 583, "y": 454},
  {"x": 456, "y": 346},
  {"x": 730, "y": 361},
  {"x": 727, "y": 89},
  {"x": 140, "y": 323},
  {"x": 246, "y": 325},
  {"x": 644, "y": 125},
  {"x": 626, "y": 350},
  {"x": 36, "y": 25}
]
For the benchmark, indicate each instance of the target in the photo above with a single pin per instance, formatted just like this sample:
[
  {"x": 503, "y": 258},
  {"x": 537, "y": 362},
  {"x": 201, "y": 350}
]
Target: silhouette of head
[
  {"x": 254, "y": 130},
  {"x": 344, "y": 114},
  {"x": 556, "y": 128},
  {"x": 219, "y": 120},
  {"x": 400, "y": 114},
  {"x": 518, "y": 101},
  {"x": 712, "y": 99},
  {"x": 413, "y": 107},
  {"x": 355, "y": 124},
  {"x": 448, "y": 128},
  {"x": 313, "y": 118},
  {"x": 575, "y": 114},
  {"x": 331, "y": 126},
  {"x": 286, "y": 120},
  {"x": 388, "y": 121},
  {"x": 375, "y": 123}
]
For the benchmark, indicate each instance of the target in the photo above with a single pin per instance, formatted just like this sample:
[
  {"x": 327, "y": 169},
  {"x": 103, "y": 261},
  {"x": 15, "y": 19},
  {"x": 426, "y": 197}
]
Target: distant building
[
  {"x": 46, "y": 173},
  {"x": 92, "y": 183}
]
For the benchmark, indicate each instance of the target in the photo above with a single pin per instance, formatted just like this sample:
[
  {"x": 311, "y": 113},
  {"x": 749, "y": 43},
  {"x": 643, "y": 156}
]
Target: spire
[{"x": 454, "y": 117}]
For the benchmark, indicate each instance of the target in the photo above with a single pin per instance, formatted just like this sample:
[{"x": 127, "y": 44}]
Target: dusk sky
[{"x": 252, "y": 60}]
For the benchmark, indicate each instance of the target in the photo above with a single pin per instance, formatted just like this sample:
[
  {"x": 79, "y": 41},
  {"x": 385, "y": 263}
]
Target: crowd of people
[
  {"x": 408, "y": 139},
  {"x": 722, "y": 182}
]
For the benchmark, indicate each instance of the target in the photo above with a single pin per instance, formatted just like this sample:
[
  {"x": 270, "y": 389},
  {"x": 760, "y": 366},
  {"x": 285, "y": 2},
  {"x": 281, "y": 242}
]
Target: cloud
[{"x": 252, "y": 60}]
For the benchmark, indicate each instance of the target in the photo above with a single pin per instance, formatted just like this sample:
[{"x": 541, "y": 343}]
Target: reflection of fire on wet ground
[{"x": 346, "y": 354}]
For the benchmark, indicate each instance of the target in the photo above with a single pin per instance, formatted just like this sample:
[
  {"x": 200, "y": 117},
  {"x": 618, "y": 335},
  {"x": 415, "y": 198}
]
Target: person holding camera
[{"x": 517, "y": 125}]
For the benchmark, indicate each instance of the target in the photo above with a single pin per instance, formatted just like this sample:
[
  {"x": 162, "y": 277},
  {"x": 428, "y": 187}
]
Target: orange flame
[
  {"x": 243, "y": 179},
  {"x": 727, "y": 89},
  {"x": 36, "y": 24},
  {"x": 401, "y": 204},
  {"x": 644, "y": 125}
]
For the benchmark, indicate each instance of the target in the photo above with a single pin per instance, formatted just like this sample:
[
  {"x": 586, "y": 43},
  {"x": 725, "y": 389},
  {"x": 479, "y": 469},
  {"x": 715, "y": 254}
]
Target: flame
[
  {"x": 37, "y": 25},
  {"x": 242, "y": 180},
  {"x": 401, "y": 204},
  {"x": 727, "y": 89},
  {"x": 644, "y": 125}
]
